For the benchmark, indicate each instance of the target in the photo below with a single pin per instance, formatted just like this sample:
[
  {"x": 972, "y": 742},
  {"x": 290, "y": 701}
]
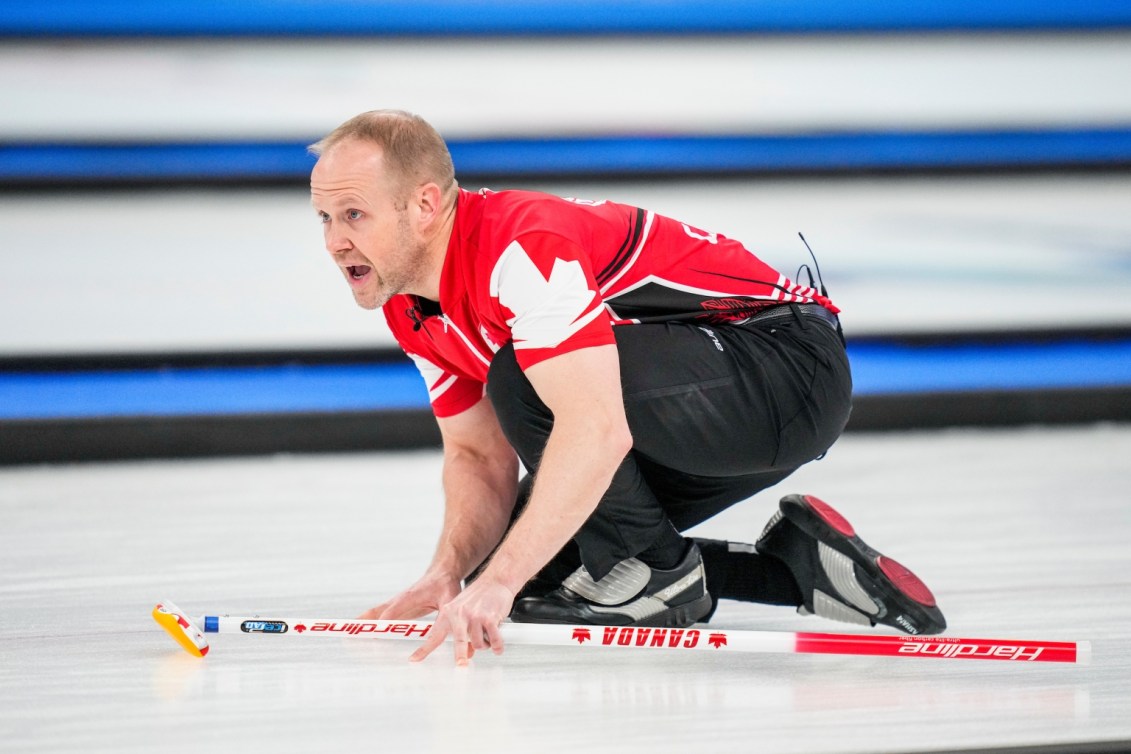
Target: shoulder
[
  {"x": 512, "y": 220},
  {"x": 513, "y": 213}
]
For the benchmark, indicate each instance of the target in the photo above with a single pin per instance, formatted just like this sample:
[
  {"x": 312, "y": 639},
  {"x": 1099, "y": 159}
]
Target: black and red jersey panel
[{"x": 551, "y": 275}]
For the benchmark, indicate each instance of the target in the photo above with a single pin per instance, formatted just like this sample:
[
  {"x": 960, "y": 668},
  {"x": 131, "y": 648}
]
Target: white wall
[{"x": 187, "y": 270}]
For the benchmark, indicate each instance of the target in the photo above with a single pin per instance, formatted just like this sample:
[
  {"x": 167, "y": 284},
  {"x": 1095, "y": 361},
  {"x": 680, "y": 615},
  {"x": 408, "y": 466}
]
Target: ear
[{"x": 428, "y": 202}]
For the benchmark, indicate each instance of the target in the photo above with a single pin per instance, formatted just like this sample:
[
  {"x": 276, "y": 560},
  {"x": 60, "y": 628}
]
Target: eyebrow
[{"x": 347, "y": 195}]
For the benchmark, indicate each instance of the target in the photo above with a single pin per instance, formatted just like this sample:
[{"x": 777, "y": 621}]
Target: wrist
[
  {"x": 443, "y": 573},
  {"x": 502, "y": 573}
]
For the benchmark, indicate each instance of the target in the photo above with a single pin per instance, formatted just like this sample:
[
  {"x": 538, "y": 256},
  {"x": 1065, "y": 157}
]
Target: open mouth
[{"x": 358, "y": 271}]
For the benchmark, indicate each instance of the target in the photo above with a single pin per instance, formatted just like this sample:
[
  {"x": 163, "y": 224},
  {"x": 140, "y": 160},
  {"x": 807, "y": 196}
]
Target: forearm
[
  {"x": 479, "y": 496},
  {"x": 587, "y": 443},
  {"x": 577, "y": 466}
]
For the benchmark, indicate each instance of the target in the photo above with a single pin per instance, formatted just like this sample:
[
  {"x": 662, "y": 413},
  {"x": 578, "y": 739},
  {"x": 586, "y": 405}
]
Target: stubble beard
[{"x": 404, "y": 269}]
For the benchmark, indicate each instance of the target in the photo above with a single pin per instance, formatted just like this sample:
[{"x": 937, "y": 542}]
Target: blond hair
[{"x": 414, "y": 152}]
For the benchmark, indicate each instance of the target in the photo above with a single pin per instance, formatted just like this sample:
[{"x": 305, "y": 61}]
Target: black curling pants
[{"x": 717, "y": 413}]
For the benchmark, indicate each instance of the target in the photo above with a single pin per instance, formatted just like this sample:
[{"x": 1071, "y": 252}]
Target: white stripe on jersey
[
  {"x": 704, "y": 292},
  {"x": 441, "y": 388},
  {"x": 779, "y": 293},
  {"x": 434, "y": 376},
  {"x": 466, "y": 340},
  {"x": 618, "y": 319},
  {"x": 805, "y": 292},
  {"x": 648, "y": 218},
  {"x": 794, "y": 292}
]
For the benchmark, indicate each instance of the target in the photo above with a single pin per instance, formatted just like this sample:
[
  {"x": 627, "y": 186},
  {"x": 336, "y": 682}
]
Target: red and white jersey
[{"x": 552, "y": 275}]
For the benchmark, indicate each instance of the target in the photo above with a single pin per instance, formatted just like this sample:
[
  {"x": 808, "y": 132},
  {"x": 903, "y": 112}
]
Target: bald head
[{"x": 413, "y": 153}]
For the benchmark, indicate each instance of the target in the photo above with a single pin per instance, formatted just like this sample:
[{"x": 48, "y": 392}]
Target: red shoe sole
[
  {"x": 900, "y": 575},
  {"x": 829, "y": 515},
  {"x": 906, "y": 581}
]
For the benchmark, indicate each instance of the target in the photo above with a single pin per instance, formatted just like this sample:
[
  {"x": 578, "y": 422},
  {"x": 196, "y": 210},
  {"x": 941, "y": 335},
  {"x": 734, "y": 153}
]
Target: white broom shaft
[{"x": 680, "y": 639}]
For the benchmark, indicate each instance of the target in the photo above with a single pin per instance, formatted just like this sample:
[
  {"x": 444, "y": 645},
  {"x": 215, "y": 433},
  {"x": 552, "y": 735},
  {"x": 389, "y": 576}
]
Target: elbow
[
  {"x": 618, "y": 438},
  {"x": 606, "y": 434}
]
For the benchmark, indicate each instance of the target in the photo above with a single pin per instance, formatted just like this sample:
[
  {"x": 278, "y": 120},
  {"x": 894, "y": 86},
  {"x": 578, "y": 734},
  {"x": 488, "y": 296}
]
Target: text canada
[{"x": 650, "y": 637}]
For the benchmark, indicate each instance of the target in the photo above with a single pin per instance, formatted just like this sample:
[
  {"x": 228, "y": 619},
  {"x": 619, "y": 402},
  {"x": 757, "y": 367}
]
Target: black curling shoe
[
  {"x": 842, "y": 578},
  {"x": 632, "y": 594}
]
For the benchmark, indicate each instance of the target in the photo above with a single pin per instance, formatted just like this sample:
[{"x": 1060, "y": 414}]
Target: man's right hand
[
  {"x": 480, "y": 478},
  {"x": 421, "y": 599}
]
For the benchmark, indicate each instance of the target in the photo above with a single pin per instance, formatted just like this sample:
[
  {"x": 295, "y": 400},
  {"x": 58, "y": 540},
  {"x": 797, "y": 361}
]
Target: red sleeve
[
  {"x": 547, "y": 294},
  {"x": 448, "y": 393}
]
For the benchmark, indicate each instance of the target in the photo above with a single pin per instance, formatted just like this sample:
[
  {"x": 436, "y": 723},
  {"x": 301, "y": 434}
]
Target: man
[{"x": 648, "y": 374}]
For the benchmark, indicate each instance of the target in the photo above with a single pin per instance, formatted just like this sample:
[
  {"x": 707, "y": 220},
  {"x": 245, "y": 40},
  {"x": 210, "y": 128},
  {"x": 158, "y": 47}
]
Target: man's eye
[
  {"x": 323, "y": 217},
  {"x": 354, "y": 214}
]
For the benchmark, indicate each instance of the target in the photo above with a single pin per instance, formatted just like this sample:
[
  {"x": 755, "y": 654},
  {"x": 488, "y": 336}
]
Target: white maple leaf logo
[{"x": 546, "y": 311}]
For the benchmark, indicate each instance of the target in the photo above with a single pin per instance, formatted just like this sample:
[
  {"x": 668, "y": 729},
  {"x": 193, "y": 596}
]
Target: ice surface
[{"x": 1020, "y": 533}]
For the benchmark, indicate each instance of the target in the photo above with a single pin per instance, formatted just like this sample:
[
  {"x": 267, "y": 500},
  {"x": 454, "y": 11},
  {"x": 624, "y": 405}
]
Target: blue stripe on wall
[
  {"x": 543, "y": 17},
  {"x": 124, "y": 162},
  {"x": 598, "y": 155},
  {"x": 834, "y": 151},
  {"x": 889, "y": 368},
  {"x": 207, "y": 391},
  {"x": 878, "y": 369}
]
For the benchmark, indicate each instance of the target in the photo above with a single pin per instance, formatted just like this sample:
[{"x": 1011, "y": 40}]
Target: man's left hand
[{"x": 472, "y": 620}]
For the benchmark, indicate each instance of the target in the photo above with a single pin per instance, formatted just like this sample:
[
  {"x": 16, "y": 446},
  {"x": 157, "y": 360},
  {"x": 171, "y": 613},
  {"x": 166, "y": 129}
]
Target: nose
[{"x": 337, "y": 241}]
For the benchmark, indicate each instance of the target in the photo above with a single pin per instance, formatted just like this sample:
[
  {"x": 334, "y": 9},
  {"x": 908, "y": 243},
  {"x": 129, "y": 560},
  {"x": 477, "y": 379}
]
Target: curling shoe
[
  {"x": 842, "y": 578},
  {"x": 632, "y": 594}
]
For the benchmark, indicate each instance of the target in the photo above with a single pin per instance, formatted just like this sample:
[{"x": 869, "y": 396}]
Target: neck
[{"x": 435, "y": 252}]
